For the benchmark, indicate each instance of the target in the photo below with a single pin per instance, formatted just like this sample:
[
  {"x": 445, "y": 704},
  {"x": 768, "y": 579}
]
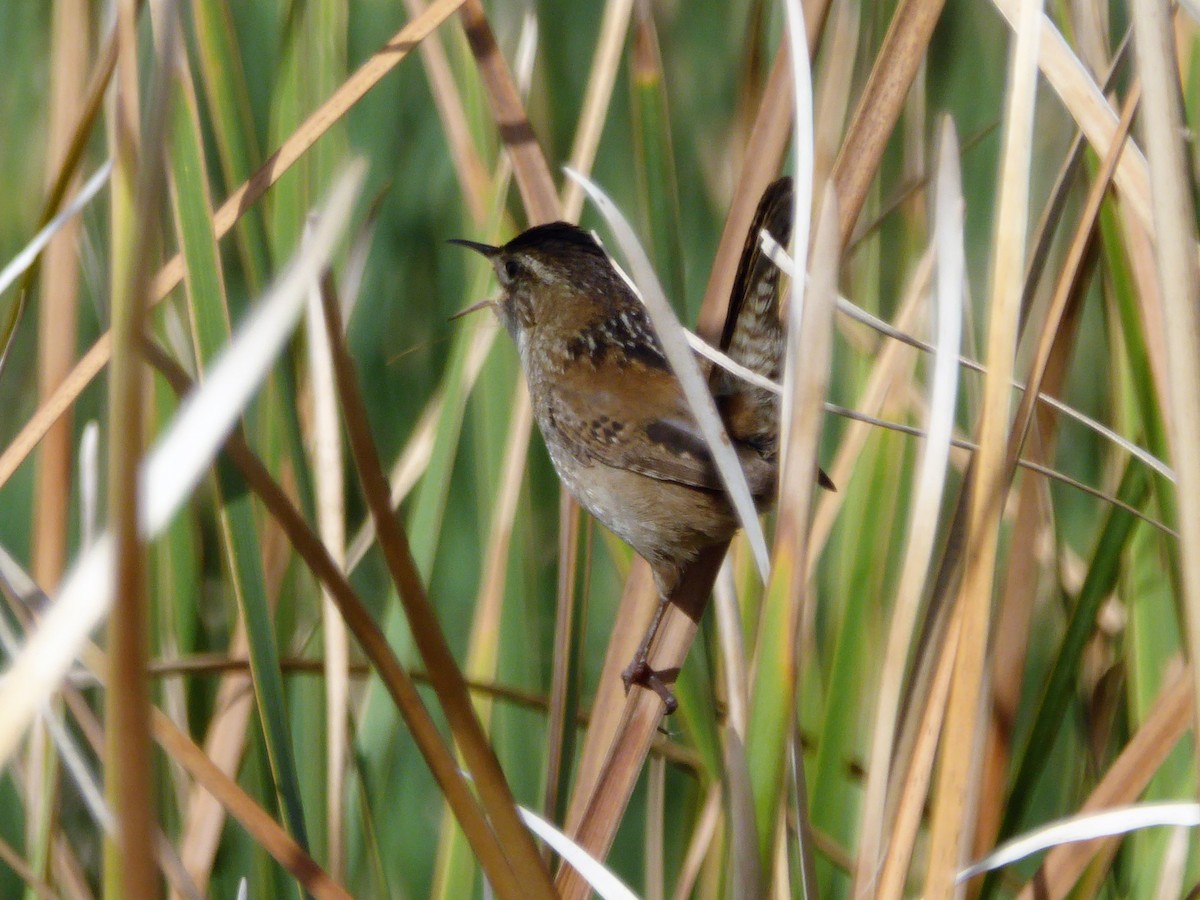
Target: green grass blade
[{"x": 209, "y": 313}]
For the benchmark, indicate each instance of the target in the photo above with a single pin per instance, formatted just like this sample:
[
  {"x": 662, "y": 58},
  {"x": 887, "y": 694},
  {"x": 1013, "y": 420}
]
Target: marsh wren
[{"x": 612, "y": 413}]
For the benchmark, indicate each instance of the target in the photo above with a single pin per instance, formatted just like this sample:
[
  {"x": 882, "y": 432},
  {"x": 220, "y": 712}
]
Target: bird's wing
[{"x": 640, "y": 421}]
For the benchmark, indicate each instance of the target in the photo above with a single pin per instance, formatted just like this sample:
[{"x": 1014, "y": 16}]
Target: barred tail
[{"x": 753, "y": 334}]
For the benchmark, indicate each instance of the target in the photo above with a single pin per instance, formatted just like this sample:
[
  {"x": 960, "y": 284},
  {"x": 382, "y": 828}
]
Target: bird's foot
[{"x": 639, "y": 672}]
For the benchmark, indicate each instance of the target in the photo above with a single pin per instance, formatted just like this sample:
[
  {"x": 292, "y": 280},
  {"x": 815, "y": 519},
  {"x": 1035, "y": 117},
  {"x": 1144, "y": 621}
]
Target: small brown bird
[{"x": 619, "y": 431}]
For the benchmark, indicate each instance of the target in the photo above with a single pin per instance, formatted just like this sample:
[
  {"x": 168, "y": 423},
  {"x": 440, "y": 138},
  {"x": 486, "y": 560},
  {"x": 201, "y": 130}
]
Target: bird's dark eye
[{"x": 511, "y": 268}]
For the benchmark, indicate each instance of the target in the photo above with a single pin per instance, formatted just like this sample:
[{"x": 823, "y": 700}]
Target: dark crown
[{"x": 555, "y": 236}]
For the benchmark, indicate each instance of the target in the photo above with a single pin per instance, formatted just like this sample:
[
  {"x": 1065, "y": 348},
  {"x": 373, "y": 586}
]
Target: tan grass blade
[
  {"x": 928, "y": 492},
  {"x": 656, "y": 814},
  {"x": 732, "y": 643},
  {"x": 954, "y": 811},
  {"x": 473, "y": 177},
  {"x": 1085, "y": 101},
  {"x": 1047, "y": 372},
  {"x": 246, "y": 195},
  {"x": 605, "y": 64},
  {"x": 699, "y": 847},
  {"x": 59, "y": 296},
  {"x": 224, "y": 743},
  {"x": 914, "y": 788},
  {"x": 139, "y": 182},
  {"x": 327, "y": 467},
  {"x": 1174, "y": 217}
]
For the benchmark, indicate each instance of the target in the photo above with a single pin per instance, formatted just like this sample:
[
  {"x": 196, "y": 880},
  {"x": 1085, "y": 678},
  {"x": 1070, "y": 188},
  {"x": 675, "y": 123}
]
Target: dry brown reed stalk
[
  {"x": 138, "y": 188},
  {"x": 245, "y": 196},
  {"x": 57, "y": 328},
  {"x": 880, "y": 104},
  {"x": 529, "y": 165}
]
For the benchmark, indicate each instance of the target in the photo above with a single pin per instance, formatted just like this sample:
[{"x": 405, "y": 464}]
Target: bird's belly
[{"x": 661, "y": 520}]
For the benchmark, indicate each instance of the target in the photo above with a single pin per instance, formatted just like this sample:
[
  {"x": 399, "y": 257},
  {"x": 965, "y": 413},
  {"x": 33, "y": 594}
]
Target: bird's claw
[{"x": 639, "y": 672}]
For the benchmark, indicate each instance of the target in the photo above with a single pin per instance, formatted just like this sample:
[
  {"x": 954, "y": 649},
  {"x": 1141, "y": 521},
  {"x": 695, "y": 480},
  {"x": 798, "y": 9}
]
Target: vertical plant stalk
[
  {"x": 1175, "y": 255},
  {"x": 326, "y": 453},
  {"x": 60, "y": 286},
  {"x": 56, "y": 348},
  {"x": 880, "y": 105},
  {"x": 129, "y": 869},
  {"x": 473, "y": 178},
  {"x": 951, "y": 815},
  {"x": 605, "y": 62},
  {"x": 529, "y": 165},
  {"x": 928, "y": 489},
  {"x": 1054, "y": 345}
]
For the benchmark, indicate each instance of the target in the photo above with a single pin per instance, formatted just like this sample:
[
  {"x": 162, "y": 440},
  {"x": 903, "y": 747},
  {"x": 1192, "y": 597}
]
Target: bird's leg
[{"x": 639, "y": 671}]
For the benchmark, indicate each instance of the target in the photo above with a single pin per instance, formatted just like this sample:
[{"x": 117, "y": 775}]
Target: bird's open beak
[
  {"x": 474, "y": 307},
  {"x": 486, "y": 249}
]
